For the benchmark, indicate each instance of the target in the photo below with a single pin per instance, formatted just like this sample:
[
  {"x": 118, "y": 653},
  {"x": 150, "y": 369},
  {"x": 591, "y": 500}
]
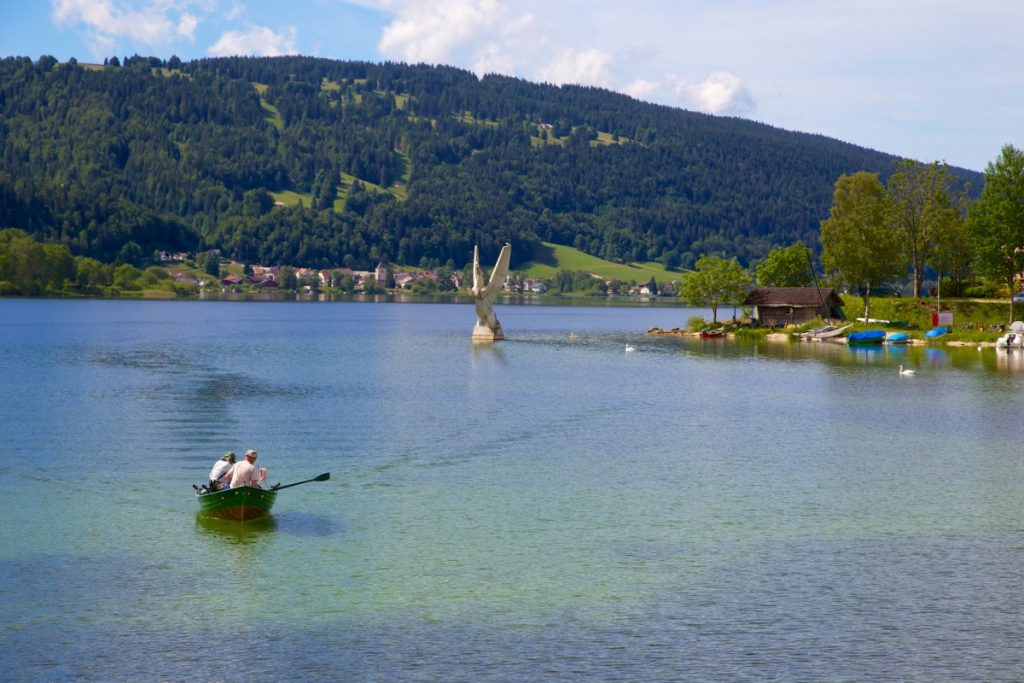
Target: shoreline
[{"x": 779, "y": 337}]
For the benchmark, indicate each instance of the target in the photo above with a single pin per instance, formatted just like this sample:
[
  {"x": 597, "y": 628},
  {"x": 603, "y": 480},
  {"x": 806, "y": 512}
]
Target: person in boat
[
  {"x": 220, "y": 475},
  {"x": 245, "y": 473}
]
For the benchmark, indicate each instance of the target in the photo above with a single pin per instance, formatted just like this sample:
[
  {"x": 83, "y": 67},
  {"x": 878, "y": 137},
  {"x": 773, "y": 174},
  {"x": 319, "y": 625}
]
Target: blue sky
[{"x": 934, "y": 80}]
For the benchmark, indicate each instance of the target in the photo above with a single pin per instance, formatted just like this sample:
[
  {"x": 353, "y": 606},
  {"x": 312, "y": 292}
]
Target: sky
[{"x": 932, "y": 80}]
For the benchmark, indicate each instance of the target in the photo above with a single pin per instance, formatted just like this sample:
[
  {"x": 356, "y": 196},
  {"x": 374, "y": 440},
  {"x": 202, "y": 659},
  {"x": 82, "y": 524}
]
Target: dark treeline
[{"x": 152, "y": 154}]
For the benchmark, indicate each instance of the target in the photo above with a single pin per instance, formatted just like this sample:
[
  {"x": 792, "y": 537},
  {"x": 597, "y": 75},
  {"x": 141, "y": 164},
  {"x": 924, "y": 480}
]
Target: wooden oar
[{"x": 323, "y": 477}]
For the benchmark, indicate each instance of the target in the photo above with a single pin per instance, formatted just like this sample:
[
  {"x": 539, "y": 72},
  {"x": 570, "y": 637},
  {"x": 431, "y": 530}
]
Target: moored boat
[
  {"x": 866, "y": 337},
  {"x": 241, "y": 504},
  {"x": 833, "y": 332},
  {"x": 1010, "y": 340},
  {"x": 825, "y": 332},
  {"x": 1014, "y": 339},
  {"x": 720, "y": 332},
  {"x": 936, "y": 332},
  {"x": 897, "y": 338}
]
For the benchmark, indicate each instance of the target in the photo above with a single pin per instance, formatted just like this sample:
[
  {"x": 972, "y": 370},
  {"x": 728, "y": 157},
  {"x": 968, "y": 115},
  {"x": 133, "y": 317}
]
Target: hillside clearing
[{"x": 557, "y": 257}]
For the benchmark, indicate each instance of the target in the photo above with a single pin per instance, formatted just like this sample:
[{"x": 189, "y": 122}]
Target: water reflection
[
  {"x": 409, "y": 297},
  {"x": 240, "y": 533},
  {"x": 937, "y": 357},
  {"x": 867, "y": 355},
  {"x": 246, "y": 533},
  {"x": 1010, "y": 361},
  {"x": 482, "y": 350}
]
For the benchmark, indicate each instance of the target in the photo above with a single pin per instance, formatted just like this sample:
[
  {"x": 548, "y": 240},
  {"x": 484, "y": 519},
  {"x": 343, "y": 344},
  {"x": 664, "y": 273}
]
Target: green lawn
[
  {"x": 273, "y": 115},
  {"x": 556, "y": 257},
  {"x": 971, "y": 318},
  {"x": 289, "y": 198},
  {"x": 346, "y": 186},
  {"x": 607, "y": 139}
]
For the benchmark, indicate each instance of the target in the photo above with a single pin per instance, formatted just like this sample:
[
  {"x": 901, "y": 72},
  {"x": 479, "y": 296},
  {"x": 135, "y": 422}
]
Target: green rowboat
[
  {"x": 243, "y": 503},
  {"x": 240, "y": 504}
]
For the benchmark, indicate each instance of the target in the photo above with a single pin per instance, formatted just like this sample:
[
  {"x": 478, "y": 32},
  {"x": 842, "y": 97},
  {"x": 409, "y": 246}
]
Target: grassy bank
[
  {"x": 973, "y": 320},
  {"x": 968, "y": 314}
]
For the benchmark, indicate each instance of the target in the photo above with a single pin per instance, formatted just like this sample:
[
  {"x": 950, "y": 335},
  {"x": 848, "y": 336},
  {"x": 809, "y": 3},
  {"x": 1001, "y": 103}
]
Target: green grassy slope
[{"x": 556, "y": 257}]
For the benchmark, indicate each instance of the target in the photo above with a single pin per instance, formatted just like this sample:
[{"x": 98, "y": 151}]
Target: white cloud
[
  {"x": 235, "y": 12},
  {"x": 187, "y": 24},
  {"x": 431, "y": 32},
  {"x": 583, "y": 67},
  {"x": 103, "y": 45},
  {"x": 641, "y": 89},
  {"x": 492, "y": 59},
  {"x": 151, "y": 24},
  {"x": 720, "y": 93},
  {"x": 257, "y": 40}
]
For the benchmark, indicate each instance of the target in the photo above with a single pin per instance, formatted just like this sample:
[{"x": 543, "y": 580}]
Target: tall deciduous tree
[
  {"x": 857, "y": 242},
  {"x": 921, "y": 200},
  {"x": 954, "y": 256},
  {"x": 786, "y": 267},
  {"x": 715, "y": 281},
  {"x": 997, "y": 219}
]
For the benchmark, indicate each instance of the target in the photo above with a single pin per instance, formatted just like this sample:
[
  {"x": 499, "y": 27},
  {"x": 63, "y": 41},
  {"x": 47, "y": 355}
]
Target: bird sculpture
[{"x": 485, "y": 293}]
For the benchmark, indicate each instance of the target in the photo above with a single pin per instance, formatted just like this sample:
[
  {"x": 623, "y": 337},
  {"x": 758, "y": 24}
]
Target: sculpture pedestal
[{"x": 483, "y": 333}]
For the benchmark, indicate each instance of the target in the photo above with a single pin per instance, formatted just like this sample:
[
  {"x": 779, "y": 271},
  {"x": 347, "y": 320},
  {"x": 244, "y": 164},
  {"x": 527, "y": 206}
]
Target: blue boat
[
  {"x": 866, "y": 337},
  {"x": 936, "y": 332},
  {"x": 897, "y": 338}
]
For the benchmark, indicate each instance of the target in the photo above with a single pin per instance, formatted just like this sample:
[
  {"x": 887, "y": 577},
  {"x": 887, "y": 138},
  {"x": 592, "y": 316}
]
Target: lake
[{"x": 550, "y": 507}]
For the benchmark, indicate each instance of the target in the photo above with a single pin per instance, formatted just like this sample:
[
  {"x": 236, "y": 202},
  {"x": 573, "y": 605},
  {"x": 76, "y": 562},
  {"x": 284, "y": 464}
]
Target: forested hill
[{"x": 315, "y": 162}]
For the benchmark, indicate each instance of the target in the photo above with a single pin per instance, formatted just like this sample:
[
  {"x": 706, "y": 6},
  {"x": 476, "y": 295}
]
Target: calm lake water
[{"x": 546, "y": 508}]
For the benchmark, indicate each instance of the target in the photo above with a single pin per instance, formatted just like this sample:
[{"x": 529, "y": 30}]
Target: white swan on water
[
  {"x": 908, "y": 371},
  {"x": 630, "y": 347}
]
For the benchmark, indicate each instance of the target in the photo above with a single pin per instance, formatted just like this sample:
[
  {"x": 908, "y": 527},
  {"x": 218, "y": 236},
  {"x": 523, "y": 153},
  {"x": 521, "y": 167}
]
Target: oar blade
[{"x": 323, "y": 477}]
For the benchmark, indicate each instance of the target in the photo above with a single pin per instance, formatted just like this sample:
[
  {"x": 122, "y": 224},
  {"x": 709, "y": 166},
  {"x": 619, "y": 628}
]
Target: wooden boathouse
[{"x": 781, "y": 306}]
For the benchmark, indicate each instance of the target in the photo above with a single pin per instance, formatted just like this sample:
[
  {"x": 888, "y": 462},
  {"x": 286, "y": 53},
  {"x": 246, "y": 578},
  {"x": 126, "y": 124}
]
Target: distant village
[{"x": 381, "y": 278}]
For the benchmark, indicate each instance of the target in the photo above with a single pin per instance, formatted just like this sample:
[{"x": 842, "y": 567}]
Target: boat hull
[
  {"x": 866, "y": 337},
  {"x": 239, "y": 504},
  {"x": 897, "y": 338},
  {"x": 1011, "y": 340},
  {"x": 827, "y": 332},
  {"x": 834, "y": 332}
]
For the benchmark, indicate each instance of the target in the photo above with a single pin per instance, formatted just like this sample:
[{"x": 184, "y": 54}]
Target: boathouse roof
[{"x": 793, "y": 296}]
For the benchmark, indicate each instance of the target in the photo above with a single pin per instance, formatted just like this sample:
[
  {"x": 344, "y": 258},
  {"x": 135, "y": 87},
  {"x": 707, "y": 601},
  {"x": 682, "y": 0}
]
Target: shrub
[
  {"x": 981, "y": 291},
  {"x": 126, "y": 276}
]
